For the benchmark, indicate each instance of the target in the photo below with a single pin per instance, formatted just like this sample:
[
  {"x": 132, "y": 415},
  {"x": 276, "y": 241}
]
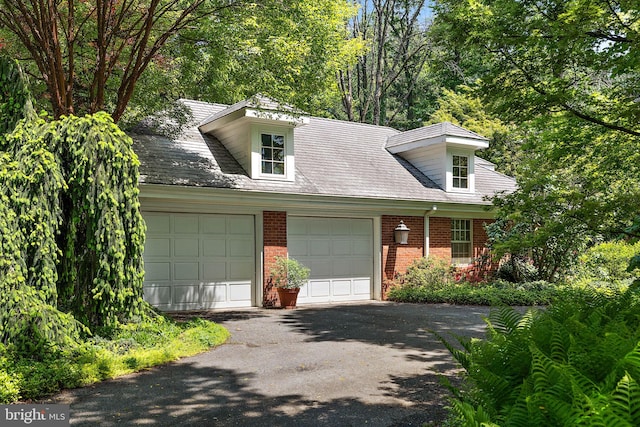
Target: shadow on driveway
[{"x": 355, "y": 364}]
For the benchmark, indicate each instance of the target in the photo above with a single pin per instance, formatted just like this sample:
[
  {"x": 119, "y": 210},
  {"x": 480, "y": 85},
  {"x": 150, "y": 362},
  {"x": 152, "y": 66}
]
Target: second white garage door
[
  {"x": 339, "y": 252},
  {"x": 197, "y": 261}
]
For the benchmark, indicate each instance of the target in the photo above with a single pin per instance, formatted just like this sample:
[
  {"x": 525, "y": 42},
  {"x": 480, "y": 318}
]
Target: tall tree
[
  {"x": 565, "y": 72},
  {"x": 289, "y": 50},
  {"x": 91, "y": 54},
  {"x": 398, "y": 49}
]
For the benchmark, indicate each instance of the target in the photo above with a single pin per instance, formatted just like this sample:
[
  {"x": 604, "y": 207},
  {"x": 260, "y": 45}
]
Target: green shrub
[
  {"x": 490, "y": 294},
  {"x": 428, "y": 272},
  {"x": 605, "y": 265}
]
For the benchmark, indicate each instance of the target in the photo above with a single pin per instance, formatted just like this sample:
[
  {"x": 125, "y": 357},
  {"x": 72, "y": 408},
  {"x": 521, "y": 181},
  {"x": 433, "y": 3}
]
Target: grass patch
[{"x": 130, "y": 348}]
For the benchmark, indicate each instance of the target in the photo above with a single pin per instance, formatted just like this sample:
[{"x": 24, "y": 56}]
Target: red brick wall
[
  {"x": 440, "y": 237},
  {"x": 396, "y": 257},
  {"x": 275, "y": 244},
  {"x": 480, "y": 236}
]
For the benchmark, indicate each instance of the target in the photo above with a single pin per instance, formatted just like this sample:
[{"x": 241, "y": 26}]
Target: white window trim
[
  {"x": 256, "y": 152},
  {"x": 471, "y": 180},
  {"x": 462, "y": 261}
]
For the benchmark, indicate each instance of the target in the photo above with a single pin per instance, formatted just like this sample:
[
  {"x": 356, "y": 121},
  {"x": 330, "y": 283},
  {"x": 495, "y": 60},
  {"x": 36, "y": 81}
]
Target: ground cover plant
[
  {"x": 117, "y": 351},
  {"x": 575, "y": 363}
]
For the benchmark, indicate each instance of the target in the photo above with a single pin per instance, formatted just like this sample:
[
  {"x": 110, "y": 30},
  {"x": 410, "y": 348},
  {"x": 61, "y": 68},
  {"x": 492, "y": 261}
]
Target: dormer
[
  {"x": 258, "y": 133},
  {"x": 443, "y": 152}
]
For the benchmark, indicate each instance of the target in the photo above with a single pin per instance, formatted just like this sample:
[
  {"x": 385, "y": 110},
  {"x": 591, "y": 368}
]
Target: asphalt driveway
[{"x": 372, "y": 364}]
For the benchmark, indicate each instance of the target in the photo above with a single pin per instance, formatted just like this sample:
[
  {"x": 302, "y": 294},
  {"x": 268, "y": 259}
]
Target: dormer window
[
  {"x": 273, "y": 154},
  {"x": 460, "y": 172}
]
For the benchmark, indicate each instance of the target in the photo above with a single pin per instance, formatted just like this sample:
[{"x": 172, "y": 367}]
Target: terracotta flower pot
[{"x": 288, "y": 297}]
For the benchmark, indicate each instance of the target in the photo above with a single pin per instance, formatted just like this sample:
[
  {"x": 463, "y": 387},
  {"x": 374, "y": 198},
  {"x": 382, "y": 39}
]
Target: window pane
[
  {"x": 278, "y": 168},
  {"x": 278, "y": 154},
  {"x": 266, "y": 140},
  {"x": 463, "y": 160},
  {"x": 267, "y": 167},
  {"x": 267, "y": 154},
  {"x": 278, "y": 141}
]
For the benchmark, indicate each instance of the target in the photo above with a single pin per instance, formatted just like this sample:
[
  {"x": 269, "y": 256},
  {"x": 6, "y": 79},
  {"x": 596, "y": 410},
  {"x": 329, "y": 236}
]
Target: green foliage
[
  {"x": 490, "y": 294},
  {"x": 132, "y": 347},
  {"x": 607, "y": 264},
  {"x": 430, "y": 273},
  {"x": 101, "y": 270},
  {"x": 72, "y": 233},
  {"x": 14, "y": 97},
  {"x": 288, "y": 273},
  {"x": 577, "y": 362}
]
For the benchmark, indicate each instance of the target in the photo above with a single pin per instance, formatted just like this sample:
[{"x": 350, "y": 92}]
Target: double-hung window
[
  {"x": 461, "y": 241},
  {"x": 460, "y": 171},
  {"x": 273, "y": 156}
]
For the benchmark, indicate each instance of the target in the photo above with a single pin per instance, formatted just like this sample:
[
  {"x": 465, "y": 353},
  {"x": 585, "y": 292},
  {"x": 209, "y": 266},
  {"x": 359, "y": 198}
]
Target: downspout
[{"x": 428, "y": 214}]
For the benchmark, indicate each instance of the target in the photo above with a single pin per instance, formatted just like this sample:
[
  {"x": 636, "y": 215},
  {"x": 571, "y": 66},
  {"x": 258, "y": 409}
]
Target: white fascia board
[
  {"x": 168, "y": 197},
  {"x": 276, "y": 116},
  {"x": 450, "y": 141},
  {"x": 458, "y": 142}
]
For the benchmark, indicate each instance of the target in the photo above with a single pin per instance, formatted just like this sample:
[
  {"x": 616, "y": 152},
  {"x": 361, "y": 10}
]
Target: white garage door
[
  {"x": 196, "y": 261},
  {"x": 339, "y": 252}
]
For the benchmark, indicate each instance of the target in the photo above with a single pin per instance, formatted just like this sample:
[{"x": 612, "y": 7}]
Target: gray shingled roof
[
  {"x": 333, "y": 158},
  {"x": 433, "y": 131}
]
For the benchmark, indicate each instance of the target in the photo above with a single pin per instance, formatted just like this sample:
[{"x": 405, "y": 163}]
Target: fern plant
[{"x": 576, "y": 363}]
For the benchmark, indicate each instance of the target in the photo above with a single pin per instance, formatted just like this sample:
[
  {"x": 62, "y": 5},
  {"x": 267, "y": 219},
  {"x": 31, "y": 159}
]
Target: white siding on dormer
[
  {"x": 430, "y": 161},
  {"x": 236, "y": 139}
]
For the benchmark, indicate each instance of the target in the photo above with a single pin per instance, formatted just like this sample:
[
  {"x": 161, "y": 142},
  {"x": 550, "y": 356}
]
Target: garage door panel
[
  {"x": 186, "y": 224},
  {"x": 240, "y": 225},
  {"x": 341, "y": 287},
  {"x": 239, "y": 292},
  {"x": 319, "y": 288},
  {"x": 360, "y": 228},
  {"x": 214, "y": 293},
  {"x": 341, "y": 227},
  {"x": 160, "y": 247},
  {"x": 362, "y": 287},
  {"x": 195, "y": 261},
  {"x": 319, "y": 268},
  {"x": 157, "y": 271},
  {"x": 214, "y": 247},
  {"x": 186, "y": 248},
  {"x": 341, "y": 268},
  {"x": 158, "y": 223},
  {"x": 318, "y": 227},
  {"x": 239, "y": 269},
  {"x": 241, "y": 248},
  {"x": 189, "y": 294},
  {"x": 213, "y": 224},
  {"x": 341, "y": 247},
  {"x": 157, "y": 295},
  {"x": 320, "y": 247},
  {"x": 298, "y": 248},
  {"x": 215, "y": 271},
  {"x": 360, "y": 267},
  {"x": 362, "y": 247},
  {"x": 186, "y": 271}
]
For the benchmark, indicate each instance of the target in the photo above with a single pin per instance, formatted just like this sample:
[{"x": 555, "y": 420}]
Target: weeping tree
[{"x": 71, "y": 232}]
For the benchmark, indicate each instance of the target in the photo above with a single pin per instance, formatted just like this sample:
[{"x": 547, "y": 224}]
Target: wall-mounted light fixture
[{"x": 401, "y": 233}]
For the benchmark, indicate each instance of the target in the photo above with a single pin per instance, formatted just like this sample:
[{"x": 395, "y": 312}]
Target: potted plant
[{"x": 288, "y": 275}]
